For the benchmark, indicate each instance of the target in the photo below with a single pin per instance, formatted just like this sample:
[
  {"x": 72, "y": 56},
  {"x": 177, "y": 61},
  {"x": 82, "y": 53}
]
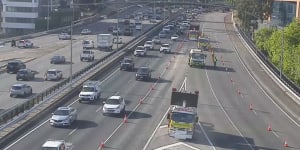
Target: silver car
[
  {"x": 20, "y": 89},
  {"x": 63, "y": 116},
  {"x": 58, "y": 59}
]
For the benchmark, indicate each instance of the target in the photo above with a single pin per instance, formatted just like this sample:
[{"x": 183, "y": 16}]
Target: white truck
[
  {"x": 105, "y": 41},
  {"x": 90, "y": 91},
  {"x": 56, "y": 145},
  {"x": 87, "y": 55}
]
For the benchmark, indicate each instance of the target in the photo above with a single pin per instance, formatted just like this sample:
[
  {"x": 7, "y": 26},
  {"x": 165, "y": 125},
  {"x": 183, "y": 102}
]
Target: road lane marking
[
  {"x": 163, "y": 126},
  {"x": 72, "y": 131},
  {"x": 176, "y": 144},
  {"x": 155, "y": 130},
  {"x": 226, "y": 114},
  {"x": 206, "y": 136},
  {"x": 31, "y": 131},
  {"x": 160, "y": 122}
]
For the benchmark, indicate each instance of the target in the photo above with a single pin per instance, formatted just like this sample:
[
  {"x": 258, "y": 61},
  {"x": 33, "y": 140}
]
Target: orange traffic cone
[
  {"x": 141, "y": 101},
  {"x": 152, "y": 87},
  {"x": 101, "y": 144},
  {"x": 231, "y": 80},
  {"x": 269, "y": 128},
  {"x": 125, "y": 119},
  {"x": 238, "y": 91},
  {"x": 285, "y": 144},
  {"x": 251, "y": 107}
]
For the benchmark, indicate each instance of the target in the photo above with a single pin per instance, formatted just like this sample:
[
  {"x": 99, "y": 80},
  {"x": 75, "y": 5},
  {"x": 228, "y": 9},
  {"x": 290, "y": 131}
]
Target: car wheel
[{"x": 30, "y": 92}]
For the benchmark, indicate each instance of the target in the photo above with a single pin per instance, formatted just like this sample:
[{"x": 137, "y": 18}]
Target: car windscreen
[
  {"x": 16, "y": 87},
  {"x": 113, "y": 101},
  {"x": 149, "y": 42},
  {"x": 165, "y": 45},
  {"x": 86, "y": 42},
  {"x": 139, "y": 48},
  {"x": 143, "y": 70},
  {"x": 12, "y": 64},
  {"x": 203, "y": 40},
  {"x": 61, "y": 112},
  {"x": 49, "y": 148},
  {"x": 88, "y": 89},
  {"x": 127, "y": 61},
  {"x": 182, "y": 117},
  {"x": 22, "y": 72},
  {"x": 198, "y": 56},
  {"x": 86, "y": 52},
  {"x": 51, "y": 72},
  {"x": 56, "y": 57}
]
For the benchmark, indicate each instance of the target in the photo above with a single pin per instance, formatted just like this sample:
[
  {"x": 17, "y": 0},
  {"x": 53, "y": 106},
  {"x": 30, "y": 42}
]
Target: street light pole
[
  {"x": 48, "y": 17},
  {"x": 282, "y": 48},
  {"x": 118, "y": 29},
  {"x": 71, "y": 51}
]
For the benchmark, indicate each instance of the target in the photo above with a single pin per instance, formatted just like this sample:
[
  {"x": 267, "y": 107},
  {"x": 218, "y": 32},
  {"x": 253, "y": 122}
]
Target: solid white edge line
[
  {"x": 157, "y": 127},
  {"x": 263, "y": 90},
  {"x": 206, "y": 136},
  {"x": 226, "y": 114},
  {"x": 31, "y": 131}
]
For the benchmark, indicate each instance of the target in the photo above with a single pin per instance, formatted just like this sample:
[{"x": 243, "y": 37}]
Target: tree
[{"x": 273, "y": 41}]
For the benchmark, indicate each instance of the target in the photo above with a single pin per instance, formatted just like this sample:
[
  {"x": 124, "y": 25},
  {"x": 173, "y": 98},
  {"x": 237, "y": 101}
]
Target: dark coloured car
[
  {"x": 128, "y": 32},
  {"x": 25, "y": 74},
  {"x": 57, "y": 59},
  {"x": 15, "y": 66},
  {"x": 143, "y": 73},
  {"x": 127, "y": 64}
]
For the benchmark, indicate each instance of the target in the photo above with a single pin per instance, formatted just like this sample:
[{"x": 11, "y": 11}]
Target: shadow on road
[
  {"x": 219, "y": 68},
  {"x": 224, "y": 140},
  {"x": 138, "y": 115}
]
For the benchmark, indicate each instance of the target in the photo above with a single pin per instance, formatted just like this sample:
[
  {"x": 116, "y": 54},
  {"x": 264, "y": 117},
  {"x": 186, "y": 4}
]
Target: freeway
[
  {"x": 226, "y": 92},
  {"x": 45, "y": 48},
  {"x": 91, "y": 126},
  {"x": 227, "y": 95}
]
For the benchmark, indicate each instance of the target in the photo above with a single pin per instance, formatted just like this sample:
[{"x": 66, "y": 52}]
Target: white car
[
  {"x": 114, "y": 105},
  {"x": 140, "y": 51},
  {"x": 88, "y": 44},
  {"x": 86, "y": 31},
  {"x": 174, "y": 37},
  {"x": 20, "y": 89},
  {"x": 149, "y": 45},
  {"x": 64, "y": 36},
  {"x": 63, "y": 116},
  {"x": 25, "y": 44},
  {"x": 165, "y": 48},
  {"x": 53, "y": 74}
]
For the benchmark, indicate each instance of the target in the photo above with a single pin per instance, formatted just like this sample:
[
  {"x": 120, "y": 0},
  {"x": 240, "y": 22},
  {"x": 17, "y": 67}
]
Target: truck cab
[
  {"x": 182, "y": 117},
  {"x": 196, "y": 58},
  {"x": 56, "y": 145},
  {"x": 90, "y": 91}
]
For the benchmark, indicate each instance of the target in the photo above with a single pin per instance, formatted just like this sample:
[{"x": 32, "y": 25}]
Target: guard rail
[
  {"x": 294, "y": 87},
  {"x": 17, "y": 110}
]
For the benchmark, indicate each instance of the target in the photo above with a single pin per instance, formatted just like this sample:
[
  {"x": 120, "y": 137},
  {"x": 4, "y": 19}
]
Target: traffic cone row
[{"x": 285, "y": 144}]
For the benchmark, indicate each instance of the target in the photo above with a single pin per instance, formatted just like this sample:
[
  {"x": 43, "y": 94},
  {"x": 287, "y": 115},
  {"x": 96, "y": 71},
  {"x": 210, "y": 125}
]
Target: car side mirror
[
  {"x": 52, "y": 113},
  {"x": 103, "y": 102}
]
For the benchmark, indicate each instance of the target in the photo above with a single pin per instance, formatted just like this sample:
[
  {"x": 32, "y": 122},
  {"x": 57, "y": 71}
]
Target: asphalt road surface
[
  {"x": 225, "y": 95},
  {"x": 48, "y": 46}
]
